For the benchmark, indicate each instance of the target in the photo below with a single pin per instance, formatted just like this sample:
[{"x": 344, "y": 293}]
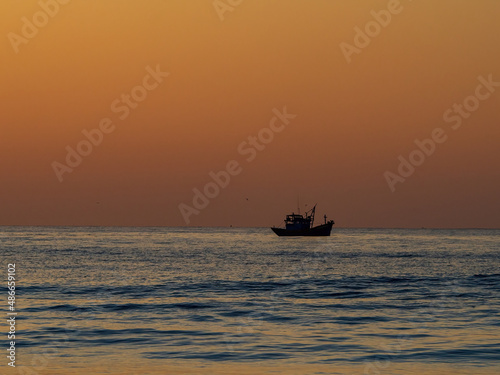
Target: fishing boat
[{"x": 303, "y": 225}]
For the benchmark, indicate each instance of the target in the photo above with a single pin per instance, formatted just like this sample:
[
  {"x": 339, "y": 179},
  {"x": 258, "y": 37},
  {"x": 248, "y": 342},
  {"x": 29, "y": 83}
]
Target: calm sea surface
[{"x": 243, "y": 301}]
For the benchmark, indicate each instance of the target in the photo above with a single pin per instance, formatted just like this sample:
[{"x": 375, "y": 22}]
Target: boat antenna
[{"x": 298, "y": 203}]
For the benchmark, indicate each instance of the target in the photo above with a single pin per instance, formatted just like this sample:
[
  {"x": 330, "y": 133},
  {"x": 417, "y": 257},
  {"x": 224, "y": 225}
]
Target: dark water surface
[{"x": 243, "y": 301}]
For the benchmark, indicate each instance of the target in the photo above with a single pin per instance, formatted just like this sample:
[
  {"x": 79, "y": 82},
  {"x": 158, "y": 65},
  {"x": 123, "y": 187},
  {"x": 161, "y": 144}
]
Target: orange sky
[{"x": 226, "y": 77}]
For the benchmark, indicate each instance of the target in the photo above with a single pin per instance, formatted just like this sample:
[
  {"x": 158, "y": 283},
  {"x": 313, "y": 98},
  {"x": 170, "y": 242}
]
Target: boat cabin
[{"x": 297, "y": 222}]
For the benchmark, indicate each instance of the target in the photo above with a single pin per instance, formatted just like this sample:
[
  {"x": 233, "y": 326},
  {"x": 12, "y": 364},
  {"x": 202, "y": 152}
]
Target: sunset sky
[{"x": 228, "y": 69}]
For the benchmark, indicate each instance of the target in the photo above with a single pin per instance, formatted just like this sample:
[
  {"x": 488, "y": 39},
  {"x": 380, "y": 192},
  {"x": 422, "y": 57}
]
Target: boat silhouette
[{"x": 303, "y": 225}]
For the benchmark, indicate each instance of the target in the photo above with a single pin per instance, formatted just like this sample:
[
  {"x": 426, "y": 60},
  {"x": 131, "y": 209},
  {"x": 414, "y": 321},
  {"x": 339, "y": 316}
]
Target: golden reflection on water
[
  {"x": 93, "y": 286},
  {"x": 103, "y": 359},
  {"x": 121, "y": 365}
]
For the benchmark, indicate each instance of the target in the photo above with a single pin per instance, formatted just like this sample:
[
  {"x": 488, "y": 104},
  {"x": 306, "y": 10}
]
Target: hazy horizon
[{"x": 237, "y": 227}]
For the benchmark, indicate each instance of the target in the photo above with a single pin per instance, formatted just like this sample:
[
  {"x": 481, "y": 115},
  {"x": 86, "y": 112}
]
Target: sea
[{"x": 93, "y": 300}]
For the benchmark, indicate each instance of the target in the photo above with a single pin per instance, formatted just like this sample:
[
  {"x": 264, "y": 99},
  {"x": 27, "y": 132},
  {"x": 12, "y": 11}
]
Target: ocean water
[{"x": 244, "y": 301}]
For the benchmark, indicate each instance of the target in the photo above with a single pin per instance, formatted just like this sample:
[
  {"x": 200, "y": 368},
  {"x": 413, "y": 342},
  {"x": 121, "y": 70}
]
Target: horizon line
[{"x": 234, "y": 227}]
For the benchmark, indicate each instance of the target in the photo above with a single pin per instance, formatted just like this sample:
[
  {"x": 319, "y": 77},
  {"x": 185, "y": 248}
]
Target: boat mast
[{"x": 313, "y": 211}]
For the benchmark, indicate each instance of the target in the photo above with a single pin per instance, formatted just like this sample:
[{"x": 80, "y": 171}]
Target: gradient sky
[{"x": 353, "y": 119}]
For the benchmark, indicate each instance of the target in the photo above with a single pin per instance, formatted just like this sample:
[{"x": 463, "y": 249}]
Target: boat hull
[{"x": 321, "y": 230}]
